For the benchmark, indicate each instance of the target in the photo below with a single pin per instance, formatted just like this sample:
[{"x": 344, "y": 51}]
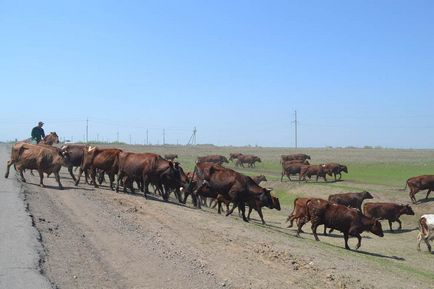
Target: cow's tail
[
  {"x": 405, "y": 188},
  {"x": 423, "y": 227},
  {"x": 293, "y": 211}
]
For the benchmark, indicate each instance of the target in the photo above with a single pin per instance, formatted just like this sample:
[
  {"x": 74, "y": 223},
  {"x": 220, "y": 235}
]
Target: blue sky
[{"x": 357, "y": 72}]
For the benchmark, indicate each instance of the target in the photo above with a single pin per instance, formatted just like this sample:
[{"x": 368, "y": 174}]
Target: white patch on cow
[{"x": 91, "y": 148}]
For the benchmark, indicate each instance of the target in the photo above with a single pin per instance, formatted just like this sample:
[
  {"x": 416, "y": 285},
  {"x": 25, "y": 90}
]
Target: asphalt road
[{"x": 19, "y": 245}]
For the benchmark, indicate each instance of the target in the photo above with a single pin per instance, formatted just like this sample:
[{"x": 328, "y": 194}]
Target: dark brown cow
[
  {"x": 76, "y": 154},
  {"x": 314, "y": 170},
  {"x": 420, "y": 183},
  {"x": 352, "y": 200},
  {"x": 387, "y": 211},
  {"x": 350, "y": 222},
  {"x": 259, "y": 179},
  {"x": 289, "y": 169},
  {"x": 303, "y": 157},
  {"x": 335, "y": 169},
  {"x": 170, "y": 157},
  {"x": 304, "y": 162},
  {"x": 45, "y": 159},
  {"x": 258, "y": 204},
  {"x": 216, "y": 159},
  {"x": 105, "y": 159},
  {"x": 250, "y": 160},
  {"x": 234, "y": 156},
  {"x": 149, "y": 168},
  {"x": 226, "y": 184}
]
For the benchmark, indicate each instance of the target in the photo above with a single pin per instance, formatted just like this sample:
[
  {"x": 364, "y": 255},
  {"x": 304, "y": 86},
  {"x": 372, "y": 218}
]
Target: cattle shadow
[
  {"x": 421, "y": 201},
  {"x": 402, "y": 231},
  {"x": 379, "y": 255}
]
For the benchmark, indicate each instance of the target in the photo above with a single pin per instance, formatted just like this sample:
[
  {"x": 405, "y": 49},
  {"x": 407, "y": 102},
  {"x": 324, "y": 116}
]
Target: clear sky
[{"x": 357, "y": 72}]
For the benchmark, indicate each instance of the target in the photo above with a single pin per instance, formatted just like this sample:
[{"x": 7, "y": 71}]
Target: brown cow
[
  {"x": 303, "y": 157},
  {"x": 299, "y": 211},
  {"x": 170, "y": 157},
  {"x": 387, "y": 211},
  {"x": 149, "y": 168},
  {"x": 350, "y": 222},
  {"x": 217, "y": 159},
  {"x": 45, "y": 159},
  {"x": 335, "y": 169},
  {"x": 311, "y": 170},
  {"x": 227, "y": 184},
  {"x": 105, "y": 159},
  {"x": 234, "y": 156},
  {"x": 76, "y": 154},
  {"x": 420, "y": 183},
  {"x": 258, "y": 204},
  {"x": 289, "y": 169},
  {"x": 250, "y": 160},
  {"x": 352, "y": 200}
]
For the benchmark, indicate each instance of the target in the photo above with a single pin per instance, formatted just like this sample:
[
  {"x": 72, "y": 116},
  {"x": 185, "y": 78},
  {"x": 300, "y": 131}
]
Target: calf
[
  {"x": 349, "y": 221},
  {"x": 234, "y": 156},
  {"x": 426, "y": 230},
  {"x": 420, "y": 183},
  {"x": 317, "y": 170},
  {"x": 258, "y": 204},
  {"x": 298, "y": 214},
  {"x": 335, "y": 169},
  {"x": 352, "y": 200},
  {"x": 387, "y": 211}
]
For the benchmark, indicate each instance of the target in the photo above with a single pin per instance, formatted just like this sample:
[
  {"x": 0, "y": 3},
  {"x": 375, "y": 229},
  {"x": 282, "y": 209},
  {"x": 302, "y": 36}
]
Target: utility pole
[
  {"x": 97, "y": 137},
  {"x": 130, "y": 138},
  {"x": 164, "y": 136},
  {"x": 295, "y": 127},
  {"x": 117, "y": 136},
  {"x": 87, "y": 130},
  {"x": 147, "y": 138},
  {"x": 192, "y": 139}
]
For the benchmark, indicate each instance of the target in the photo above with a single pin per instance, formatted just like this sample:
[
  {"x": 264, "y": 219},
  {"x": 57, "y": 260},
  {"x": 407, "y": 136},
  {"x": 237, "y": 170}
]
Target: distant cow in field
[
  {"x": 289, "y": 169},
  {"x": 314, "y": 170},
  {"x": 302, "y": 157},
  {"x": 387, "y": 211},
  {"x": 170, "y": 157},
  {"x": 420, "y": 183},
  {"x": 352, "y": 200},
  {"x": 259, "y": 179},
  {"x": 43, "y": 158},
  {"x": 216, "y": 159},
  {"x": 250, "y": 160},
  {"x": 335, "y": 169},
  {"x": 426, "y": 230},
  {"x": 350, "y": 222},
  {"x": 234, "y": 156}
]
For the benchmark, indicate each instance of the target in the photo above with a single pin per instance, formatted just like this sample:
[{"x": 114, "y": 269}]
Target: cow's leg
[
  {"x": 242, "y": 208},
  {"x": 331, "y": 230},
  {"x": 112, "y": 180},
  {"x": 335, "y": 176},
  {"x": 419, "y": 239},
  {"x": 281, "y": 177},
  {"x": 9, "y": 163},
  {"x": 300, "y": 224},
  {"x": 93, "y": 176},
  {"x": 21, "y": 174},
  {"x": 70, "y": 172},
  {"x": 390, "y": 225},
  {"x": 260, "y": 214},
  {"x": 346, "y": 241},
  {"x": 250, "y": 211},
  {"x": 427, "y": 194},
  {"x": 314, "y": 226},
  {"x": 427, "y": 244},
  {"x": 359, "y": 241},
  {"x": 400, "y": 224},
  {"x": 120, "y": 175},
  {"x": 41, "y": 178},
  {"x": 80, "y": 172},
  {"x": 57, "y": 176},
  {"x": 413, "y": 192}
]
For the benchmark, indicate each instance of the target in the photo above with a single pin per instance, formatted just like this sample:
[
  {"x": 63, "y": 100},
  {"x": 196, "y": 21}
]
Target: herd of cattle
[{"x": 210, "y": 179}]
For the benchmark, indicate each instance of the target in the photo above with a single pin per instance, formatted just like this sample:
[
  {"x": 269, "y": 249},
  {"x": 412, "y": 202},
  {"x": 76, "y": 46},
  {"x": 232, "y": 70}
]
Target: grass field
[{"x": 381, "y": 171}]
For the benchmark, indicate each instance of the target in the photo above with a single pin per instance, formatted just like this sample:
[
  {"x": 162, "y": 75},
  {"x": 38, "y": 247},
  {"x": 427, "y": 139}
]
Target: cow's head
[
  {"x": 266, "y": 199},
  {"x": 367, "y": 195},
  {"x": 406, "y": 209},
  {"x": 343, "y": 168},
  {"x": 276, "y": 203},
  {"x": 376, "y": 228},
  {"x": 258, "y": 159}
]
